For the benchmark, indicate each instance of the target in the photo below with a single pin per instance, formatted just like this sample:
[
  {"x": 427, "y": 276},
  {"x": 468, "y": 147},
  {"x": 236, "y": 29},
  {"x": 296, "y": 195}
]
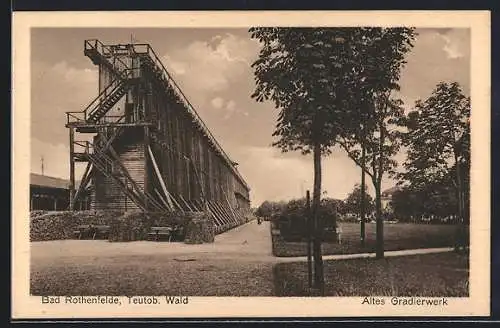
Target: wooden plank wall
[
  {"x": 182, "y": 145},
  {"x": 108, "y": 195}
]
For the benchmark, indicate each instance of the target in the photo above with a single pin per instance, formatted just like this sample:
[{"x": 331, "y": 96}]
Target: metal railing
[
  {"x": 75, "y": 117},
  {"x": 106, "y": 52}
]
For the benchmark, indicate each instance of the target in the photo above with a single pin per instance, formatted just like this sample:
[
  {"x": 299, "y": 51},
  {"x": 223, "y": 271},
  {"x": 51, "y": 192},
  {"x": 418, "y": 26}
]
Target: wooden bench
[
  {"x": 87, "y": 231},
  {"x": 81, "y": 231},
  {"x": 101, "y": 231},
  {"x": 158, "y": 233}
]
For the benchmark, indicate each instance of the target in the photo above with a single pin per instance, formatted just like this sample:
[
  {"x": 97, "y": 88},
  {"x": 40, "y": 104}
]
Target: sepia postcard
[{"x": 250, "y": 164}]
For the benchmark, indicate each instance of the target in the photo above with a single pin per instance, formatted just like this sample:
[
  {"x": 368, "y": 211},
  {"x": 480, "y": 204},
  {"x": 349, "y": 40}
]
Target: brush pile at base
[
  {"x": 200, "y": 229},
  {"x": 196, "y": 227},
  {"x": 61, "y": 225}
]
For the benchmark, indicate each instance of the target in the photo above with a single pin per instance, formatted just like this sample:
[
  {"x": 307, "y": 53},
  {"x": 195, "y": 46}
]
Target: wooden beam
[
  {"x": 199, "y": 180},
  {"x": 217, "y": 209},
  {"x": 160, "y": 179},
  {"x": 85, "y": 180},
  {"x": 228, "y": 203},
  {"x": 220, "y": 219},
  {"x": 162, "y": 200},
  {"x": 186, "y": 203},
  {"x": 71, "y": 168},
  {"x": 176, "y": 202},
  {"x": 217, "y": 220},
  {"x": 194, "y": 206},
  {"x": 226, "y": 213},
  {"x": 146, "y": 167}
]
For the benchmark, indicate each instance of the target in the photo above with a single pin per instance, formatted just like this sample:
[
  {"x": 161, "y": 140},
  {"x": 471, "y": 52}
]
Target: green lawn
[
  {"x": 150, "y": 275},
  {"x": 396, "y": 237},
  {"x": 431, "y": 275}
]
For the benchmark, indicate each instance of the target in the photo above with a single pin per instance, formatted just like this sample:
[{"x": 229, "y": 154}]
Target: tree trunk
[
  {"x": 309, "y": 240},
  {"x": 362, "y": 201},
  {"x": 318, "y": 260},
  {"x": 378, "y": 183},
  {"x": 380, "y": 221},
  {"x": 460, "y": 208}
]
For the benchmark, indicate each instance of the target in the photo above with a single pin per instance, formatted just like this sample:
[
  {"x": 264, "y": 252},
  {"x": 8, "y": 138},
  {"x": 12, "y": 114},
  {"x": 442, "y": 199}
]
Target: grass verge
[
  {"x": 151, "y": 275},
  {"x": 431, "y": 275}
]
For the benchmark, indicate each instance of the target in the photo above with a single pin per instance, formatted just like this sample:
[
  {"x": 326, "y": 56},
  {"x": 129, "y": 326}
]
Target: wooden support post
[
  {"x": 83, "y": 183},
  {"x": 212, "y": 210},
  {"x": 160, "y": 178},
  {"x": 229, "y": 204},
  {"x": 185, "y": 203},
  {"x": 224, "y": 212},
  {"x": 176, "y": 202},
  {"x": 71, "y": 168},
  {"x": 193, "y": 205},
  {"x": 162, "y": 199},
  {"x": 146, "y": 166}
]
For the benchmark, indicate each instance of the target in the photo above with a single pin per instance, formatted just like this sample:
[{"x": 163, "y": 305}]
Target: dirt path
[{"x": 248, "y": 242}]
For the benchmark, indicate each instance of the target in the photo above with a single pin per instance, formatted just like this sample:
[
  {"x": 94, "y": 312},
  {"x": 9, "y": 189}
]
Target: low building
[{"x": 52, "y": 194}]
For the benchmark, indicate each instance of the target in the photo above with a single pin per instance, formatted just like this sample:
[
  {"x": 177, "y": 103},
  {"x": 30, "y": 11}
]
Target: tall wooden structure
[{"x": 150, "y": 149}]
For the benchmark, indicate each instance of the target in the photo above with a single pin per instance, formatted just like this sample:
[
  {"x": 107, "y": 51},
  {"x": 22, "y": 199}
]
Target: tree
[
  {"x": 376, "y": 139},
  {"x": 353, "y": 201},
  {"x": 436, "y": 199},
  {"x": 310, "y": 74},
  {"x": 438, "y": 141},
  {"x": 406, "y": 204},
  {"x": 267, "y": 209}
]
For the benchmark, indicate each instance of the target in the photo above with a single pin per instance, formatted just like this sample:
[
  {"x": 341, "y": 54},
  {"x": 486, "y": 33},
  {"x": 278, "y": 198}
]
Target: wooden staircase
[{"x": 111, "y": 166}]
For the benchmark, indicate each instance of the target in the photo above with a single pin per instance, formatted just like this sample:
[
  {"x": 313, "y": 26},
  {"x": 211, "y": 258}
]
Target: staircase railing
[
  {"x": 105, "y": 164},
  {"x": 93, "y": 107},
  {"x": 105, "y": 52}
]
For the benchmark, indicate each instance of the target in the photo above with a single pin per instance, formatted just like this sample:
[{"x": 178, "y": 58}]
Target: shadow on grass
[
  {"x": 151, "y": 275},
  {"x": 430, "y": 275},
  {"x": 396, "y": 237}
]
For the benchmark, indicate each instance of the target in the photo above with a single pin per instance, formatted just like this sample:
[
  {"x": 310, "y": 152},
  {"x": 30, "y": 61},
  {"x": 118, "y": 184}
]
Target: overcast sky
[{"x": 212, "y": 66}]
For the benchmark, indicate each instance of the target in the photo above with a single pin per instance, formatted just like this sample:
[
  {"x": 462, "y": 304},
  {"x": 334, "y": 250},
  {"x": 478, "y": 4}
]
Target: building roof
[
  {"x": 50, "y": 182},
  {"x": 390, "y": 191},
  {"x": 46, "y": 181}
]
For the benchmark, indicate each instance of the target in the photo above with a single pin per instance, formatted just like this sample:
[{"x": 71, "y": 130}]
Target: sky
[{"x": 212, "y": 67}]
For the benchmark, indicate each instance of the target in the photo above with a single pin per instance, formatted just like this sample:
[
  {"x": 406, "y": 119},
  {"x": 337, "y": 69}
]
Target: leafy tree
[
  {"x": 406, "y": 205},
  {"x": 295, "y": 213},
  {"x": 377, "y": 139},
  {"x": 267, "y": 209},
  {"x": 310, "y": 74},
  {"x": 438, "y": 141},
  {"x": 353, "y": 201}
]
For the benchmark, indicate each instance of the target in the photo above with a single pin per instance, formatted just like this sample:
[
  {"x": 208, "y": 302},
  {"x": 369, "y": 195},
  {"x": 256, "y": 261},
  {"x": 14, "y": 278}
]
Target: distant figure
[
  {"x": 338, "y": 232},
  {"x": 259, "y": 220}
]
